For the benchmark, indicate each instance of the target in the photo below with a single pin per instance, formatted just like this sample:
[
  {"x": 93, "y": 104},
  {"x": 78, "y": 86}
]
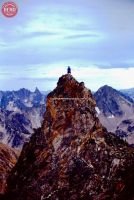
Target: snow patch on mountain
[
  {"x": 111, "y": 116},
  {"x": 97, "y": 110},
  {"x": 12, "y": 107}
]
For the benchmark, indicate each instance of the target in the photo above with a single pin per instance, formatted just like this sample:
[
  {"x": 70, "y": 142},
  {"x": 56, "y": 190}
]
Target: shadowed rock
[{"x": 8, "y": 158}]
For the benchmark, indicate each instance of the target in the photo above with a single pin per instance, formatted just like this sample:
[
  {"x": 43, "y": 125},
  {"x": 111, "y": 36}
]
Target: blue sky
[{"x": 94, "y": 37}]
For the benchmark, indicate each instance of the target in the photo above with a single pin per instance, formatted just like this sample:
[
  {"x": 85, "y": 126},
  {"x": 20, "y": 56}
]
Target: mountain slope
[
  {"x": 20, "y": 112},
  {"x": 112, "y": 102},
  {"x": 128, "y": 92},
  {"x": 114, "y": 109},
  {"x": 72, "y": 157}
]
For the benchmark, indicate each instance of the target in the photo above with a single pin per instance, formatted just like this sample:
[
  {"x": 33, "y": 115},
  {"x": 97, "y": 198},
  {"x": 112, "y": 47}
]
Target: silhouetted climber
[{"x": 69, "y": 70}]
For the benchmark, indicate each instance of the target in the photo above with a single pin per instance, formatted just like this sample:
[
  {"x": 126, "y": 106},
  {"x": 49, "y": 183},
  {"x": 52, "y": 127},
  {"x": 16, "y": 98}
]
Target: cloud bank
[{"x": 46, "y": 36}]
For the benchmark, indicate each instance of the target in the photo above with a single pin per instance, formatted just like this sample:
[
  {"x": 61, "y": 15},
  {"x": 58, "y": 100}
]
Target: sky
[{"x": 94, "y": 37}]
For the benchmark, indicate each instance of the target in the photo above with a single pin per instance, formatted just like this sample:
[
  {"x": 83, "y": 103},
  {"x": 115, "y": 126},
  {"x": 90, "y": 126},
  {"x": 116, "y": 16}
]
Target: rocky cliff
[
  {"x": 8, "y": 158},
  {"x": 72, "y": 157}
]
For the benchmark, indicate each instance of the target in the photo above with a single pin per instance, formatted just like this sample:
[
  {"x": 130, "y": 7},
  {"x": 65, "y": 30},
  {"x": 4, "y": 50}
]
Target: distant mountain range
[
  {"x": 20, "y": 112},
  {"x": 116, "y": 112}
]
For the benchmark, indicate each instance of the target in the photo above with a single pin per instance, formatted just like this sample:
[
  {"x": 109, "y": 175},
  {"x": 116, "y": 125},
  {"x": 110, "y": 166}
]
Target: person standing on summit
[{"x": 69, "y": 70}]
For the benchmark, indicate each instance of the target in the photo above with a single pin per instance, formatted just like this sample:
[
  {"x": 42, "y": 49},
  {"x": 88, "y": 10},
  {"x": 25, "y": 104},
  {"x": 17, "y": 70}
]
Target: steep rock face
[
  {"x": 72, "y": 157},
  {"x": 115, "y": 109},
  {"x": 8, "y": 158}
]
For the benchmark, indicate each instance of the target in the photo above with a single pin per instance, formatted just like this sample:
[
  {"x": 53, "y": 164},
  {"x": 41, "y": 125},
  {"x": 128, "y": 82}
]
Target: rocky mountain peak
[
  {"x": 72, "y": 157},
  {"x": 70, "y": 111},
  {"x": 107, "y": 91},
  {"x": 69, "y": 87},
  {"x": 111, "y": 102},
  {"x": 37, "y": 91}
]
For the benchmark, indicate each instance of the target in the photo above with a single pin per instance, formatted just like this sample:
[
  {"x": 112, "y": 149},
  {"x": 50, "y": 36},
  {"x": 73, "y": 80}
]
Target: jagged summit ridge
[
  {"x": 72, "y": 157},
  {"x": 69, "y": 87}
]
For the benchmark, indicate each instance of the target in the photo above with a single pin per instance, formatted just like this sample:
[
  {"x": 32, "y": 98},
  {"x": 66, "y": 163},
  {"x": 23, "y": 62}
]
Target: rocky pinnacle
[{"x": 72, "y": 156}]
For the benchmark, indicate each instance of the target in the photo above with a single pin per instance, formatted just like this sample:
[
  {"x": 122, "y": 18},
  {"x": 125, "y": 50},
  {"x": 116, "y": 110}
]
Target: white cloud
[
  {"x": 118, "y": 78},
  {"x": 45, "y": 77},
  {"x": 93, "y": 76}
]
